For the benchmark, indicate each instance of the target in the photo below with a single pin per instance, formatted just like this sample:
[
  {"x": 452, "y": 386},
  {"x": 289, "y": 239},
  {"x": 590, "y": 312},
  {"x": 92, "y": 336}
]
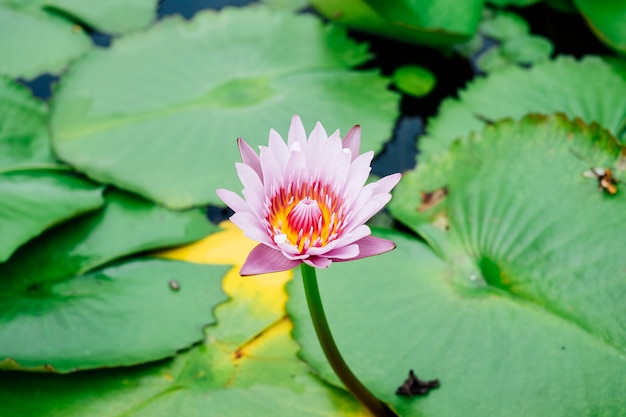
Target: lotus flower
[{"x": 306, "y": 200}]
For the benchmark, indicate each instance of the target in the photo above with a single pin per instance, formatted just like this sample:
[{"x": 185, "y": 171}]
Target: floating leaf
[
  {"x": 32, "y": 201},
  {"x": 35, "y": 42},
  {"x": 563, "y": 85},
  {"x": 24, "y": 141},
  {"x": 414, "y": 80},
  {"x": 180, "y": 94},
  {"x": 259, "y": 300},
  {"x": 527, "y": 49},
  {"x": 523, "y": 309},
  {"x": 126, "y": 225},
  {"x": 121, "y": 315},
  {"x": 617, "y": 63},
  {"x": 606, "y": 19},
  {"x": 503, "y": 26},
  {"x": 492, "y": 60},
  {"x": 112, "y": 16},
  {"x": 514, "y": 3},
  {"x": 247, "y": 365},
  {"x": 430, "y": 22}
]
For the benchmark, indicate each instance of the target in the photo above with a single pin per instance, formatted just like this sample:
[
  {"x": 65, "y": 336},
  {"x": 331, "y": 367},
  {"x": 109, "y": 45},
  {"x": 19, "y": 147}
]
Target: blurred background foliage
[{"x": 119, "y": 285}]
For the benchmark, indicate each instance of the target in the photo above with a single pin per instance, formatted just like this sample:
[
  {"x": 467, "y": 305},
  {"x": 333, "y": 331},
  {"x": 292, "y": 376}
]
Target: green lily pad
[
  {"x": 617, "y": 63},
  {"x": 522, "y": 309},
  {"x": 514, "y": 3},
  {"x": 24, "y": 141},
  {"x": 431, "y": 22},
  {"x": 33, "y": 201},
  {"x": 527, "y": 49},
  {"x": 504, "y": 25},
  {"x": 492, "y": 60},
  {"x": 113, "y": 16},
  {"x": 267, "y": 380},
  {"x": 121, "y": 315},
  {"x": 50, "y": 287},
  {"x": 606, "y": 19},
  {"x": 576, "y": 88},
  {"x": 126, "y": 225},
  {"x": 245, "y": 367},
  {"x": 414, "y": 80},
  {"x": 175, "y": 99},
  {"x": 36, "y": 42}
]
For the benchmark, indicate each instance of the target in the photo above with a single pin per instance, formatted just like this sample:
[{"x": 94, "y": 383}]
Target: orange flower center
[{"x": 308, "y": 215}]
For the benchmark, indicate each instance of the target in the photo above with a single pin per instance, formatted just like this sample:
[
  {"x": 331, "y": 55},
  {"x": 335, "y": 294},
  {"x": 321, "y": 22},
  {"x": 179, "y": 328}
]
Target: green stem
[{"x": 373, "y": 404}]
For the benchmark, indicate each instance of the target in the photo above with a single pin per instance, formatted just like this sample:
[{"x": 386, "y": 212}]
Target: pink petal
[
  {"x": 370, "y": 246},
  {"x": 314, "y": 149},
  {"x": 386, "y": 184},
  {"x": 359, "y": 171},
  {"x": 233, "y": 200},
  {"x": 279, "y": 149},
  {"x": 353, "y": 236},
  {"x": 295, "y": 163},
  {"x": 321, "y": 251},
  {"x": 352, "y": 141},
  {"x": 249, "y": 157},
  {"x": 254, "y": 202},
  {"x": 249, "y": 178},
  {"x": 290, "y": 251},
  {"x": 365, "y": 212},
  {"x": 251, "y": 227},
  {"x": 318, "y": 262},
  {"x": 296, "y": 132},
  {"x": 264, "y": 259},
  {"x": 272, "y": 171},
  {"x": 344, "y": 252},
  {"x": 335, "y": 166}
]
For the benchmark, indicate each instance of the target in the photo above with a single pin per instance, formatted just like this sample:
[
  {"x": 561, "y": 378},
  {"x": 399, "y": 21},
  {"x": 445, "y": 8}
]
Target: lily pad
[
  {"x": 606, "y": 19},
  {"x": 430, "y": 22},
  {"x": 504, "y": 25},
  {"x": 126, "y": 225},
  {"x": 514, "y": 3},
  {"x": 179, "y": 95},
  {"x": 527, "y": 49},
  {"x": 35, "y": 42},
  {"x": 563, "y": 85},
  {"x": 24, "y": 139},
  {"x": 492, "y": 60},
  {"x": 33, "y": 201},
  {"x": 414, "y": 80},
  {"x": 121, "y": 315},
  {"x": 258, "y": 301},
  {"x": 247, "y": 369},
  {"x": 50, "y": 287},
  {"x": 522, "y": 309},
  {"x": 112, "y": 16}
]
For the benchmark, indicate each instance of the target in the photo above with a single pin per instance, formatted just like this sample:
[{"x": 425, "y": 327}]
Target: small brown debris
[
  {"x": 414, "y": 386},
  {"x": 484, "y": 119},
  {"x": 431, "y": 199},
  {"x": 238, "y": 354}
]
